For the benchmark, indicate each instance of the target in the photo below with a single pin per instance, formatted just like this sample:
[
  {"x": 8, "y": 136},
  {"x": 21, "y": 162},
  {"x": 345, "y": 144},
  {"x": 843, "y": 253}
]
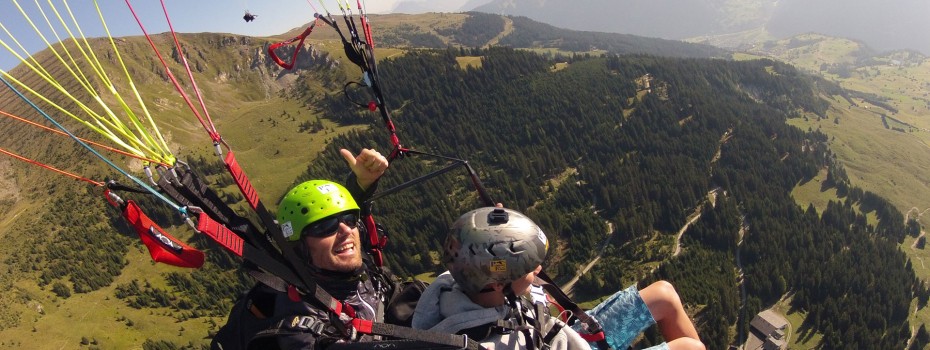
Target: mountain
[
  {"x": 612, "y": 148},
  {"x": 884, "y": 25}
]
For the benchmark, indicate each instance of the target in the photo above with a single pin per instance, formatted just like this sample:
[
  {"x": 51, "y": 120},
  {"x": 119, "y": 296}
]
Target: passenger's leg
[{"x": 666, "y": 308}]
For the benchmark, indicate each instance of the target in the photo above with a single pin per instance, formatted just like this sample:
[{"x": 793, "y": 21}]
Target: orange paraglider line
[{"x": 108, "y": 148}]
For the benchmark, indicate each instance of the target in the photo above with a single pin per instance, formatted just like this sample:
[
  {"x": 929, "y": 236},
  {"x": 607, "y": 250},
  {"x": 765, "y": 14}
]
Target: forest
[
  {"x": 579, "y": 147},
  {"x": 616, "y": 149}
]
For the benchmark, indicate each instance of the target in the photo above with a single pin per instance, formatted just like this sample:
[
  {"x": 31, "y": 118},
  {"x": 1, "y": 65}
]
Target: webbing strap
[
  {"x": 113, "y": 185},
  {"x": 405, "y": 344},
  {"x": 241, "y": 179},
  {"x": 376, "y": 239},
  {"x": 209, "y": 200},
  {"x": 220, "y": 233},
  {"x": 167, "y": 188},
  {"x": 300, "y": 37},
  {"x": 293, "y": 324},
  {"x": 591, "y": 326},
  {"x": 593, "y": 338},
  {"x": 162, "y": 246},
  {"x": 245, "y": 249},
  {"x": 456, "y": 341},
  {"x": 553, "y": 332},
  {"x": 195, "y": 193}
]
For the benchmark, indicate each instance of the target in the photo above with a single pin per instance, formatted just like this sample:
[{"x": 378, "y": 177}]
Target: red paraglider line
[{"x": 174, "y": 80}]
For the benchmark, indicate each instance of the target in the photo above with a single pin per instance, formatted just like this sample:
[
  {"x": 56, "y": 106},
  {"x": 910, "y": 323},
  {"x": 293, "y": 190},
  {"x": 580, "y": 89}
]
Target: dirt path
[
  {"x": 739, "y": 279},
  {"x": 710, "y": 199},
  {"x": 508, "y": 28},
  {"x": 914, "y": 245},
  {"x": 694, "y": 218},
  {"x": 569, "y": 287}
]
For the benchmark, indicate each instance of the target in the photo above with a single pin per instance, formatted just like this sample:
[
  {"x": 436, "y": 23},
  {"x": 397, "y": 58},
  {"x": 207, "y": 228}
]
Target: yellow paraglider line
[
  {"x": 102, "y": 129},
  {"x": 163, "y": 145},
  {"x": 117, "y": 125},
  {"x": 109, "y": 82},
  {"x": 111, "y": 127}
]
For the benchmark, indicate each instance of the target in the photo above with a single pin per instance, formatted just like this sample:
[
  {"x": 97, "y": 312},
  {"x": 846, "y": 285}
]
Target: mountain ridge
[{"x": 890, "y": 27}]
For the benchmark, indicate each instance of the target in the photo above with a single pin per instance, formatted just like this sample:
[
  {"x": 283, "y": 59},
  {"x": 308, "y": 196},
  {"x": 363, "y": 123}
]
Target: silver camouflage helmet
[{"x": 493, "y": 245}]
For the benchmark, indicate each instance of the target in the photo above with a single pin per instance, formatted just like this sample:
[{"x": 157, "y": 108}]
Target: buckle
[{"x": 308, "y": 324}]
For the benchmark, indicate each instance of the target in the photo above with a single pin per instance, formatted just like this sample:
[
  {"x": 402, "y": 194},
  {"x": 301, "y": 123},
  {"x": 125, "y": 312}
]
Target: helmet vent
[
  {"x": 304, "y": 211},
  {"x": 490, "y": 249}
]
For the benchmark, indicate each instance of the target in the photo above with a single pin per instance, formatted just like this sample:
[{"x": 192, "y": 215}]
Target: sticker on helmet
[
  {"x": 498, "y": 265},
  {"x": 542, "y": 237},
  {"x": 327, "y": 188},
  {"x": 287, "y": 229}
]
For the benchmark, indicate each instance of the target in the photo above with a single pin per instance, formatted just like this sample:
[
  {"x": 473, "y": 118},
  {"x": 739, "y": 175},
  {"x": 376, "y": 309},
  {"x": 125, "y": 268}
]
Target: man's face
[{"x": 337, "y": 252}]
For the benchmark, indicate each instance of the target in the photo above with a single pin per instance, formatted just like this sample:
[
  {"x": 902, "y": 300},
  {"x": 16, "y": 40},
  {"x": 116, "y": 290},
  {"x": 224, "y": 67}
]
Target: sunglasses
[{"x": 328, "y": 226}]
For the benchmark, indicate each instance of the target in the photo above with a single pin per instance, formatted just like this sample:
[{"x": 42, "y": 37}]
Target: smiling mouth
[{"x": 345, "y": 247}]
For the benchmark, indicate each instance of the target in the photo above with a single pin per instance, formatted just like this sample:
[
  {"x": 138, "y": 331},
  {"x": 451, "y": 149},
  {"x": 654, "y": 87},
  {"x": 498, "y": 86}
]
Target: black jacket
[{"x": 264, "y": 318}]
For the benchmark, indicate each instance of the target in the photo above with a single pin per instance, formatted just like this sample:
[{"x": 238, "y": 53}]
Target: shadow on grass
[{"x": 805, "y": 331}]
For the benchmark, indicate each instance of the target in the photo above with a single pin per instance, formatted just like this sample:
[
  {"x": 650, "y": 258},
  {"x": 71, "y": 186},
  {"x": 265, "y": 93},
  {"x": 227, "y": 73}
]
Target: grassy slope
[
  {"x": 259, "y": 125},
  {"x": 99, "y": 315},
  {"x": 261, "y": 128},
  {"x": 890, "y": 163},
  {"x": 893, "y": 164}
]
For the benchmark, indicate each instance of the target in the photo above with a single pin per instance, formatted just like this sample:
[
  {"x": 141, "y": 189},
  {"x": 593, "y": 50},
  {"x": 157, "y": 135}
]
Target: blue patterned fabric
[{"x": 623, "y": 316}]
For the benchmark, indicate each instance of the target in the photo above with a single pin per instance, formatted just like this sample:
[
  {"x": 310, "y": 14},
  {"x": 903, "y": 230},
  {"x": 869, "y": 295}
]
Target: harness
[
  {"x": 531, "y": 317},
  {"x": 257, "y": 327}
]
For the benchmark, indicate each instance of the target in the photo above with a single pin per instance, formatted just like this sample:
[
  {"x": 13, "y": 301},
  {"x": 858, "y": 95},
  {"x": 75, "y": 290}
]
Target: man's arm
[{"x": 367, "y": 167}]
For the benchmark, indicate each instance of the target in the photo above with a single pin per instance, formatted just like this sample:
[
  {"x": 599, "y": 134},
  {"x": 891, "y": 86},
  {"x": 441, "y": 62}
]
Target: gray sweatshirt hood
[{"x": 443, "y": 307}]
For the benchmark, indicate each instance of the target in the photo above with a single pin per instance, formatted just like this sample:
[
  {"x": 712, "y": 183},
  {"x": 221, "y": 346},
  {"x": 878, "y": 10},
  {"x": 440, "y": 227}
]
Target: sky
[{"x": 187, "y": 16}]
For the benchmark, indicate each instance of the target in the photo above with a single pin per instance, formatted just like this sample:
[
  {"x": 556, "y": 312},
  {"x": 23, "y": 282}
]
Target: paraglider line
[
  {"x": 91, "y": 149},
  {"x": 49, "y": 167}
]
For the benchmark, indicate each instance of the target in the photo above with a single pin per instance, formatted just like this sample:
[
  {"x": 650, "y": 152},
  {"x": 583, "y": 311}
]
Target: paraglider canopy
[{"x": 248, "y": 17}]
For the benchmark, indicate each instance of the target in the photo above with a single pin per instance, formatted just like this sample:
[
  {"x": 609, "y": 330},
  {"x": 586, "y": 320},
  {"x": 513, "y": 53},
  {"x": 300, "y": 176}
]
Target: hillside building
[{"x": 768, "y": 332}]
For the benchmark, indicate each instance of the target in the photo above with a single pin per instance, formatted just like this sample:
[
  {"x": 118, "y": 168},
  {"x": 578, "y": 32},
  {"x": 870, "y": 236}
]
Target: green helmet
[
  {"x": 311, "y": 201},
  {"x": 493, "y": 245}
]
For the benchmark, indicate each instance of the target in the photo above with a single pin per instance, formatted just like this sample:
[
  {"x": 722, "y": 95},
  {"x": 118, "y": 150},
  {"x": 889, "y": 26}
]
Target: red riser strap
[
  {"x": 593, "y": 338},
  {"x": 159, "y": 242},
  {"x": 241, "y": 180},
  {"x": 220, "y": 233},
  {"x": 362, "y": 326}
]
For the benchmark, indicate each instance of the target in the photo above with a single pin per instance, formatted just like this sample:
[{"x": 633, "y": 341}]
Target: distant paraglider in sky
[{"x": 248, "y": 17}]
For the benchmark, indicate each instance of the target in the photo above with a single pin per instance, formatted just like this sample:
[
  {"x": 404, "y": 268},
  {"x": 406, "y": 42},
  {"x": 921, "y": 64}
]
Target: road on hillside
[
  {"x": 743, "y": 228},
  {"x": 711, "y": 198},
  {"x": 569, "y": 287},
  {"x": 694, "y": 217}
]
